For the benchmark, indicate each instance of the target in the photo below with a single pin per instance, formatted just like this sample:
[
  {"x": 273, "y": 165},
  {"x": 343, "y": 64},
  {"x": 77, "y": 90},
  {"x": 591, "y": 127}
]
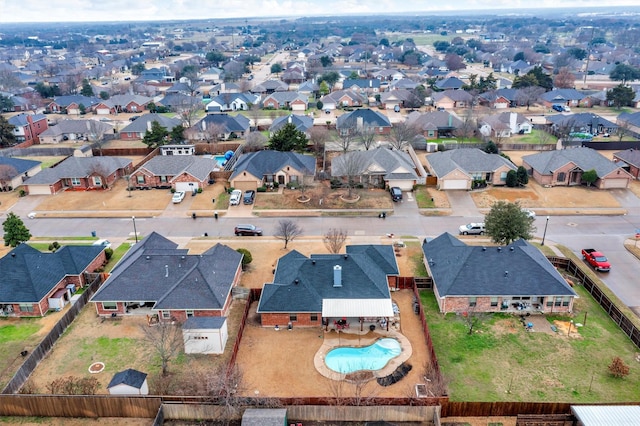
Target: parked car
[
  {"x": 557, "y": 107},
  {"x": 247, "y": 229},
  {"x": 102, "y": 243},
  {"x": 596, "y": 259},
  {"x": 566, "y": 109},
  {"x": 235, "y": 197},
  {"x": 472, "y": 229},
  {"x": 530, "y": 213},
  {"x": 249, "y": 196},
  {"x": 134, "y": 117},
  {"x": 396, "y": 193},
  {"x": 178, "y": 196}
]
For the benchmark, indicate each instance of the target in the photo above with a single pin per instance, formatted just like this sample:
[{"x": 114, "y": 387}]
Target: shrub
[
  {"x": 512, "y": 179},
  {"x": 618, "y": 368},
  {"x": 173, "y": 190},
  {"x": 261, "y": 189},
  {"x": 108, "y": 253},
  {"x": 335, "y": 184},
  {"x": 199, "y": 191},
  {"x": 22, "y": 193},
  {"x": 276, "y": 184},
  {"x": 247, "y": 258},
  {"x": 230, "y": 190}
]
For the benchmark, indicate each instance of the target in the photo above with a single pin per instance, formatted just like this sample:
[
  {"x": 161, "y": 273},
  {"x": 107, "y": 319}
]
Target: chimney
[
  {"x": 166, "y": 271},
  {"x": 513, "y": 118},
  {"x": 450, "y": 120},
  {"x": 289, "y": 119},
  {"x": 359, "y": 123},
  {"x": 337, "y": 276},
  {"x": 204, "y": 126},
  {"x": 148, "y": 126}
]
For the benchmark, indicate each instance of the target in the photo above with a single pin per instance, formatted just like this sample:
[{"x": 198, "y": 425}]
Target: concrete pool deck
[{"x": 335, "y": 339}]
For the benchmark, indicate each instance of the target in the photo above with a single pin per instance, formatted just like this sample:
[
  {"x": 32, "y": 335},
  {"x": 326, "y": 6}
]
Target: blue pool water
[
  {"x": 347, "y": 360},
  {"x": 220, "y": 159}
]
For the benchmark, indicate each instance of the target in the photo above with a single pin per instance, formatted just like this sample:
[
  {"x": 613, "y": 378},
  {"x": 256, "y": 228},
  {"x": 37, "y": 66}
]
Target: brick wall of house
[
  {"x": 121, "y": 310},
  {"x": 186, "y": 177},
  {"x": 483, "y": 304},
  {"x": 281, "y": 320}
]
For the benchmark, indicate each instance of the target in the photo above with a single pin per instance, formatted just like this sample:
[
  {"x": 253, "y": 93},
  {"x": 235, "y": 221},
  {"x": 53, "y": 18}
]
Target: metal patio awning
[{"x": 356, "y": 308}]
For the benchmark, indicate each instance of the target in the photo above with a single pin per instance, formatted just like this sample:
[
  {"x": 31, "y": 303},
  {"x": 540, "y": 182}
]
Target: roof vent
[
  {"x": 346, "y": 256},
  {"x": 182, "y": 257},
  {"x": 148, "y": 258},
  {"x": 296, "y": 281},
  {"x": 506, "y": 273},
  {"x": 499, "y": 248},
  {"x": 313, "y": 262},
  {"x": 13, "y": 255},
  {"x": 484, "y": 248},
  {"x": 511, "y": 248},
  {"x": 431, "y": 262}
]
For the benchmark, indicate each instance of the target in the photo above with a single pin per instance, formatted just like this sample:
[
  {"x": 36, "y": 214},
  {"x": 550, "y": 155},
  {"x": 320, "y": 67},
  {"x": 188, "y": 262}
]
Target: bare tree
[
  {"x": 401, "y": 134},
  {"x": 543, "y": 136},
  {"x": 255, "y": 112},
  {"x": 334, "y": 239},
  {"x": 226, "y": 388},
  {"x": 623, "y": 129},
  {"x": 529, "y": 95},
  {"x": 6, "y": 174},
  {"x": 189, "y": 110},
  {"x": 435, "y": 383},
  {"x": 166, "y": 340},
  {"x": 468, "y": 127},
  {"x": 472, "y": 319},
  {"x": 367, "y": 136},
  {"x": 346, "y": 137},
  {"x": 287, "y": 230},
  {"x": 95, "y": 134},
  {"x": 255, "y": 141},
  {"x": 350, "y": 166},
  {"x": 318, "y": 136},
  {"x": 9, "y": 81}
]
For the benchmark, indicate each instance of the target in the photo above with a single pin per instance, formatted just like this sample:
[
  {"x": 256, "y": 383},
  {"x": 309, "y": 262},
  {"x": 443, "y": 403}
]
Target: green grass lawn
[
  {"x": 533, "y": 138},
  {"x": 117, "y": 255},
  {"x": 15, "y": 336},
  {"x": 423, "y": 198},
  {"x": 500, "y": 361}
]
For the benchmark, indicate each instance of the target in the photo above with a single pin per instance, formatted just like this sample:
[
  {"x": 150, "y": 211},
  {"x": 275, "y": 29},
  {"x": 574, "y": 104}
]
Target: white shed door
[
  {"x": 186, "y": 186},
  {"x": 455, "y": 184}
]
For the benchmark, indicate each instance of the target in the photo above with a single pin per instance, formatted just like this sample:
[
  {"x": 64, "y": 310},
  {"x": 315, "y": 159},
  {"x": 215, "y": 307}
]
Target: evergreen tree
[
  {"x": 621, "y": 95},
  {"x": 512, "y": 179},
  {"x": 522, "y": 176},
  {"x": 156, "y": 137},
  {"x": 288, "y": 138},
  {"x": 507, "y": 222},
  {"x": 87, "y": 89},
  {"x": 15, "y": 232},
  {"x": 7, "y": 138}
]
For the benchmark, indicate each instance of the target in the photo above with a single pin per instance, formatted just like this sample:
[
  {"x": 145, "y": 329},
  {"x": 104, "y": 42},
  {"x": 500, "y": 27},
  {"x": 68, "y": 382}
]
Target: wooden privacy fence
[
  {"x": 47, "y": 343},
  {"x": 493, "y": 409},
  {"x": 616, "y": 315},
  {"x": 79, "y": 406}
]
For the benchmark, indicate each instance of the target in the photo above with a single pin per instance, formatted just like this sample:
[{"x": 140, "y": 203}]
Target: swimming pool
[
  {"x": 221, "y": 159},
  {"x": 374, "y": 357}
]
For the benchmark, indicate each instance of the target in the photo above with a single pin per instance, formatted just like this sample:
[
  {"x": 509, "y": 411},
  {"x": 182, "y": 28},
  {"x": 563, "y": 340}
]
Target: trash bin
[
  {"x": 372, "y": 327},
  {"x": 93, "y": 233},
  {"x": 193, "y": 215},
  {"x": 215, "y": 214}
]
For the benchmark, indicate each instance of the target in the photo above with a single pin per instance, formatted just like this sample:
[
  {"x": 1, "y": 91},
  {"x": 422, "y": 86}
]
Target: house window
[
  {"x": 293, "y": 178},
  {"x": 566, "y": 300},
  {"x": 25, "y": 307},
  {"x": 472, "y": 301},
  {"x": 166, "y": 315},
  {"x": 530, "y": 172},
  {"x": 163, "y": 179},
  {"x": 140, "y": 178},
  {"x": 503, "y": 176},
  {"x": 557, "y": 301},
  {"x": 313, "y": 317},
  {"x": 561, "y": 177},
  {"x": 97, "y": 181},
  {"x": 494, "y": 301},
  {"x": 431, "y": 133},
  {"x": 109, "y": 306},
  {"x": 189, "y": 313},
  {"x": 549, "y": 301},
  {"x": 75, "y": 181},
  {"x": 293, "y": 317}
]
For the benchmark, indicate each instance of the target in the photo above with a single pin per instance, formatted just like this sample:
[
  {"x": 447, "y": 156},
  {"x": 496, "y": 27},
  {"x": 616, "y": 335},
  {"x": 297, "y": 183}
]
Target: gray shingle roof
[
  {"x": 585, "y": 158},
  {"x": 21, "y": 166},
  {"x": 131, "y": 377},
  {"x": 376, "y": 161},
  {"x": 175, "y": 165},
  {"x": 269, "y": 162},
  {"x": 140, "y": 125},
  {"x": 200, "y": 323},
  {"x": 27, "y": 275},
  {"x": 469, "y": 160},
  {"x": 172, "y": 278},
  {"x": 629, "y": 156},
  {"x": 78, "y": 127},
  {"x": 301, "y": 283},
  {"x": 78, "y": 167},
  {"x": 370, "y": 118},
  {"x": 303, "y": 123},
  {"x": 229, "y": 123},
  {"x": 518, "y": 269},
  {"x": 434, "y": 120}
]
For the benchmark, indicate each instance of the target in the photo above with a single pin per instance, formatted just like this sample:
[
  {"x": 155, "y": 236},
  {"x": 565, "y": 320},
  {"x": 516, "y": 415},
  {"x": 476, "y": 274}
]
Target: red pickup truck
[{"x": 596, "y": 259}]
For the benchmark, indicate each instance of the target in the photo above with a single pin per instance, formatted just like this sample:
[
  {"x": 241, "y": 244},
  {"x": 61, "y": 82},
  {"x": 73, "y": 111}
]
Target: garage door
[
  {"x": 455, "y": 184},
  {"x": 186, "y": 186},
  {"x": 246, "y": 185},
  {"x": 39, "y": 190},
  {"x": 405, "y": 185},
  {"x": 615, "y": 183}
]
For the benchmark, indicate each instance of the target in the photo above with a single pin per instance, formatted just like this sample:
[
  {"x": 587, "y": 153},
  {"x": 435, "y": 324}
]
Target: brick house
[
  {"x": 156, "y": 277},
  {"x": 79, "y": 173},
  {"x": 322, "y": 289},
  {"x": 515, "y": 278},
  {"x": 342, "y": 98},
  {"x": 435, "y": 124},
  {"x": 137, "y": 129},
  {"x": 32, "y": 282},
  {"x": 565, "y": 168},
  {"x": 181, "y": 172},
  {"x": 355, "y": 121},
  {"x": 263, "y": 168},
  {"x": 28, "y": 127},
  {"x": 629, "y": 160},
  {"x": 71, "y": 104}
]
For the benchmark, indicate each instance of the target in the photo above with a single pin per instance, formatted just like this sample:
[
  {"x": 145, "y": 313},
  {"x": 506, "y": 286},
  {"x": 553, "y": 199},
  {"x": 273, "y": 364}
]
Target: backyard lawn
[
  {"x": 16, "y": 335},
  {"x": 500, "y": 361}
]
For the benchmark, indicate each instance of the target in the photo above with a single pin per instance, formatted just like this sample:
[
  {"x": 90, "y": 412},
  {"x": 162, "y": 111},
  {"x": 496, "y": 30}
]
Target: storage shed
[
  {"x": 264, "y": 417},
  {"x": 605, "y": 415},
  {"x": 129, "y": 382},
  {"x": 205, "y": 335}
]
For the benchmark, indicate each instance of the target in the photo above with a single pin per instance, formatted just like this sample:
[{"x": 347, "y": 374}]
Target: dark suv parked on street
[
  {"x": 396, "y": 193},
  {"x": 247, "y": 229}
]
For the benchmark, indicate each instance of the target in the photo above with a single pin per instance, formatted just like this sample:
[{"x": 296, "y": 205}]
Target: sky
[{"x": 159, "y": 10}]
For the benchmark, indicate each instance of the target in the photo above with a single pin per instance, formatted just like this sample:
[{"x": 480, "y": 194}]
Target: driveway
[
  {"x": 462, "y": 204},
  {"x": 408, "y": 207}
]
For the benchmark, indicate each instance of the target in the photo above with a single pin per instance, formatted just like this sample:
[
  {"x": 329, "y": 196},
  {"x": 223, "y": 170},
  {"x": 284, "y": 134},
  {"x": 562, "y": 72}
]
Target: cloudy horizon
[{"x": 163, "y": 10}]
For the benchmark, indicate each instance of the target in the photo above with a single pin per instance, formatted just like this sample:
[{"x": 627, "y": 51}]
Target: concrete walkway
[{"x": 462, "y": 204}]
